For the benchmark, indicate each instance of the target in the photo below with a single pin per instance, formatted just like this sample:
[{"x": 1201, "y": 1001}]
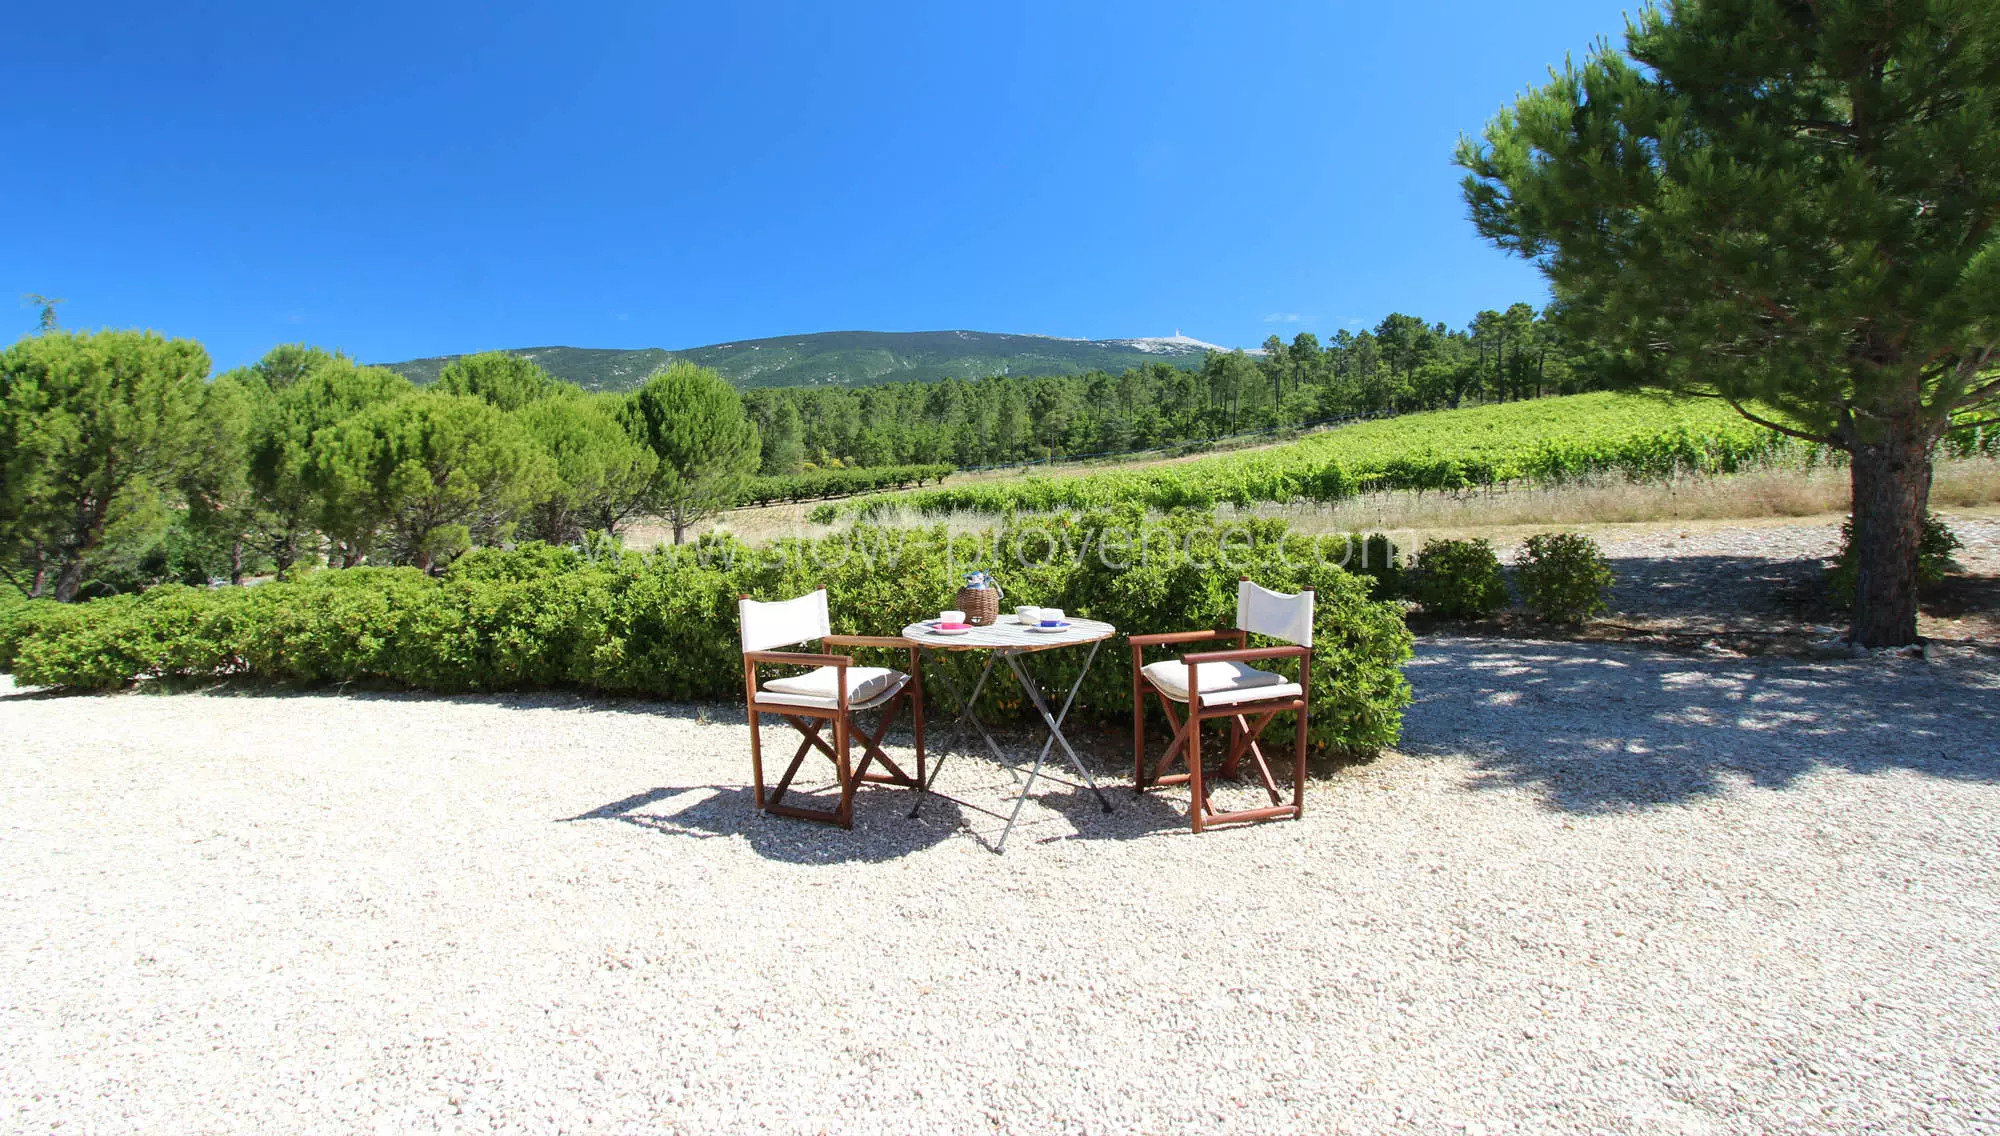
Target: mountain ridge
[{"x": 849, "y": 358}]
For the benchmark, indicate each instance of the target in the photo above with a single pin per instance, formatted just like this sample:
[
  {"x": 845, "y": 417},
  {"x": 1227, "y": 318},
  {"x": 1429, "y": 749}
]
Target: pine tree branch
[
  {"x": 1822, "y": 439},
  {"x": 13, "y": 580},
  {"x": 1982, "y": 392}
]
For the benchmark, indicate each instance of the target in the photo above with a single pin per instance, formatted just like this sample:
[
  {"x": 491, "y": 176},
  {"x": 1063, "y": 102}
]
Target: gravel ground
[
  {"x": 1602, "y": 889},
  {"x": 1765, "y": 575}
]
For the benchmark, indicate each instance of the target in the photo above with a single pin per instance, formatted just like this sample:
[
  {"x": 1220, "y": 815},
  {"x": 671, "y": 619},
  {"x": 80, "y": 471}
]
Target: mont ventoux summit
[{"x": 851, "y": 358}]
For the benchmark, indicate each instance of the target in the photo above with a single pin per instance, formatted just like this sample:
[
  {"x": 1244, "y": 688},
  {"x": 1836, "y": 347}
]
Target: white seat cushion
[
  {"x": 866, "y": 686},
  {"x": 1221, "y": 683}
]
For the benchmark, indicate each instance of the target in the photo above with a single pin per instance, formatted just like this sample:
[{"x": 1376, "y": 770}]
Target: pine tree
[
  {"x": 784, "y": 452},
  {"x": 97, "y": 432},
  {"x": 693, "y": 421},
  {"x": 1790, "y": 206},
  {"x": 427, "y": 476}
]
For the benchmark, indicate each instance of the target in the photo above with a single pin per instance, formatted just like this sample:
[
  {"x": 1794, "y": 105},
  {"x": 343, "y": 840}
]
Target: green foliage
[
  {"x": 313, "y": 392},
  {"x": 169, "y": 631},
  {"x": 1935, "y": 552},
  {"x": 1550, "y": 441},
  {"x": 1563, "y": 577},
  {"x": 693, "y": 421},
  {"x": 783, "y": 435},
  {"x": 191, "y": 550},
  {"x": 603, "y": 476},
  {"x": 1374, "y": 557},
  {"x": 221, "y": 508},
  {"x": 427, "y": 475},
  {"x": 839, "y": 482},
  {"x": 288, "y": 364},
  {"x": 1458, "y": 579},
  {"x": 509, "y": 382},
  {"x": 97, "y": 430},
  {"x": 15, "y": 614},
  {"x": 664, "y": 625}
]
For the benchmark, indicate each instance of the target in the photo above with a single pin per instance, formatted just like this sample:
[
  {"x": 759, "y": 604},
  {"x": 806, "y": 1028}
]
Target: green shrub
[
  {"x": 1458, "y": 579},
  {"x": 15, "y": 612},
  {"x": 1563, "y": 577},
  {"x": 526, "y": 561},
  {"x": 665, "y": 625},
  {"x": 100, "y": 645},
  {"x": 1935, "y": 549},
  {"x": 1376, "y": 557}
]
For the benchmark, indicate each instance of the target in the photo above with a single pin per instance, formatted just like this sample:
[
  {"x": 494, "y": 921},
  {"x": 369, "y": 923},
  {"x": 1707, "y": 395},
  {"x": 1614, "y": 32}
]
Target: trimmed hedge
[
  {"x": 664, "y": 624},
  {"x": 1457, "y": 579},
  {"x": 14, "y": 612},
  {"x": 1563, "y": 577}
]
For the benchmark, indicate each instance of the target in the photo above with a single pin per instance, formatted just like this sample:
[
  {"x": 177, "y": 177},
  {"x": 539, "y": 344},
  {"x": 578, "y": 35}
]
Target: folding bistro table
[{"x": 1012, "y": 641}]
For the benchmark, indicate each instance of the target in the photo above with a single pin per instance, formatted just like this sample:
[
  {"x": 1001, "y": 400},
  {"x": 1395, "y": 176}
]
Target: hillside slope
[
  {"x": 852, "y": 358},
  {"x": 592, "y": 368},
  {"x": 1549, "y": 440}
]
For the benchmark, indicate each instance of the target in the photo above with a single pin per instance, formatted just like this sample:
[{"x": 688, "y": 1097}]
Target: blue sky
[{"x": 416, "y": 179}]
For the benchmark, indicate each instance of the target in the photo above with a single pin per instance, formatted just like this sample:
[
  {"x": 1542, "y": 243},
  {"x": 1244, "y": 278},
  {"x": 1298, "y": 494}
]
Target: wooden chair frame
[
  {"x": 1243, "y": 733},
  {"x": 810, "y": 720}
]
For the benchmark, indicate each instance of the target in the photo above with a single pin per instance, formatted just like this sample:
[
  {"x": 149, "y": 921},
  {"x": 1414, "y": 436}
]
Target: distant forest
[{"x": 1403, "y": 364}]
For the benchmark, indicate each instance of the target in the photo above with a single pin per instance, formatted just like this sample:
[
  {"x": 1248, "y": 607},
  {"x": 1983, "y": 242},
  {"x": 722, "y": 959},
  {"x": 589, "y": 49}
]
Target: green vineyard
[
  {"x": 1548, "y": 441},
  {"x": 838, "y": 482}
]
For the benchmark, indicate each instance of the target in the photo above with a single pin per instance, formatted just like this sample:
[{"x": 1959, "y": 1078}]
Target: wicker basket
[{"x": 980, "y": 605}]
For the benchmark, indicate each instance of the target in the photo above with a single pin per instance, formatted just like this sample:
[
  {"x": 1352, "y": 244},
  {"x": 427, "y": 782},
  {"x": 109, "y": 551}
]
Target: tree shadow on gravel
[
  {"x": 1597, "y": 729},
  {"x": 1717, "y": 587},
  {"x": 883, "y": 829}
]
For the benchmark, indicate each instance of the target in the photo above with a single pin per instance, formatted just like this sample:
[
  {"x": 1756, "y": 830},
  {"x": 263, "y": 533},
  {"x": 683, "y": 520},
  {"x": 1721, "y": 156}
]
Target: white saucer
[{"x": 1050, "y": 630}]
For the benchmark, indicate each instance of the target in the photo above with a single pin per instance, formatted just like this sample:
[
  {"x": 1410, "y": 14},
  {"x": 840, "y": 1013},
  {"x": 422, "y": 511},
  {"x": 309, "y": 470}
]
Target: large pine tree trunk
[
  {"x": 1892, "y": 489},
  {"x": 69, "y": 580}
]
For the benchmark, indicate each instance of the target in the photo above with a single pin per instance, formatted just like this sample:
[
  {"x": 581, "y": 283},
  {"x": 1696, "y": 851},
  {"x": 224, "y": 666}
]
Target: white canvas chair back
[
  {"x": 781, "y": 624},
  {"x": 1262, "y": 611}
]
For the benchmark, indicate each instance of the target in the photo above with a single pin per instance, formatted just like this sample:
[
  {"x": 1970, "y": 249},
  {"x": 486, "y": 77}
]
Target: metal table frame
[{"x": 934, "y": 645}]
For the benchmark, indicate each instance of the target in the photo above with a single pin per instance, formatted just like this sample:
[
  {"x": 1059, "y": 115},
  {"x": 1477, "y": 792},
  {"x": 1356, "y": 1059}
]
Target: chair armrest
[
  {"x": 1184, "y": 637},
  {"x": 1286, "y": 652},
  {"x": 896, "y": 641},
  {"x": 797, "y": 659}
]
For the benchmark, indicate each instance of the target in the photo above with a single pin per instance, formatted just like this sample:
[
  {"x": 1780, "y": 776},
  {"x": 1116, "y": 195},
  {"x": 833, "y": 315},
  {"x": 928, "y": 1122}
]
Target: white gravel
[{"x": 1603, "y": 889}]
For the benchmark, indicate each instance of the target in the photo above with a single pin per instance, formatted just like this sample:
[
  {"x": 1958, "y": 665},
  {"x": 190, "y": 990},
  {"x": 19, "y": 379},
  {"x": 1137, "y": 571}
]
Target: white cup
[
  {"x": 1028, "y": 615},
  {"x": 951, "y": 617},
  {"x": 1051, "y": 615}
]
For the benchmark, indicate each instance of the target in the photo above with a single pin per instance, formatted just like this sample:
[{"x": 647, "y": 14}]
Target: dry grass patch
[{"x": 1771, "y": 493}]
